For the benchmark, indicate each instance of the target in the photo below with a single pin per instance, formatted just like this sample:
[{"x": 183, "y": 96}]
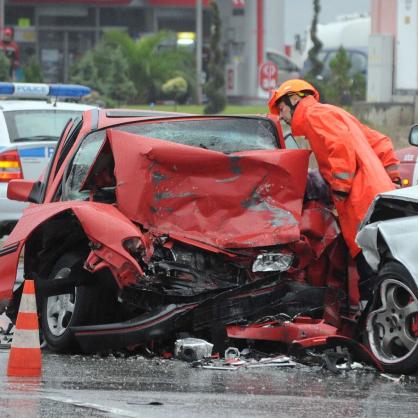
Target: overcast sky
[{"x": 298, "y": 13}]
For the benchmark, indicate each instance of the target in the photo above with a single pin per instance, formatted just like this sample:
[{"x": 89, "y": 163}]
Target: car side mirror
[
  {"x": 413, "y": 135},
  {"x": 24, "y": 190}
]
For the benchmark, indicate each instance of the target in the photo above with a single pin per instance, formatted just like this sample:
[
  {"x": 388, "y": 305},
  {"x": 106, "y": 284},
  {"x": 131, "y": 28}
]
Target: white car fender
[{"x": 400, "y": 237}]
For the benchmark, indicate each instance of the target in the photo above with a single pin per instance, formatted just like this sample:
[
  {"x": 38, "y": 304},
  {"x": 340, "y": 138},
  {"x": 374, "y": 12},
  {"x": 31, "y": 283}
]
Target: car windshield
[
  {"x": 37, "y": 125},
  {"x": 225, "y": 135}
]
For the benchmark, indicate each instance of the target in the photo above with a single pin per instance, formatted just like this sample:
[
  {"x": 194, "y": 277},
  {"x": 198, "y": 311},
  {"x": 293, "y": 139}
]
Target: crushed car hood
[
  {"x": 407, "y": 194},
  {"x": 245, "y": 199},
  {"x": 395, "y": 229}
]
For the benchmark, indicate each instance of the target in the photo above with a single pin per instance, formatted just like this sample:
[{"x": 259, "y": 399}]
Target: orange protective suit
[
  {"x": 383, "y": 148},
  {"x": 345, "y": 159}
]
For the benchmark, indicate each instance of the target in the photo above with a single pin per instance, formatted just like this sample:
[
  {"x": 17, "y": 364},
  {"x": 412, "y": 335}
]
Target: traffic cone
[{"x": 25, "y": 351}]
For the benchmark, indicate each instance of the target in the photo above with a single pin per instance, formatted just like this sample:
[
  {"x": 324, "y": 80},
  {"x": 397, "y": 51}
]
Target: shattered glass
[
  {"x": 226, "y": 135},
  {"x": 80, "y": 166}
]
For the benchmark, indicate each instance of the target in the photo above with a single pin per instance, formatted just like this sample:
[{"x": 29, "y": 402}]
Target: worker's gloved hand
[{"x": 339, "y": 195}]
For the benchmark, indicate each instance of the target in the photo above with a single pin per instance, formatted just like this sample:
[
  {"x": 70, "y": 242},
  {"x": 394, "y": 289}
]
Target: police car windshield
[{"x": 37, "y": 125}]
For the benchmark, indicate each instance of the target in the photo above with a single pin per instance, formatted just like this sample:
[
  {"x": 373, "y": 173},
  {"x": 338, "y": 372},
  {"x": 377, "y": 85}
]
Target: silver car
[
  {"x": 29, "y": 130},
  {"x": 388, "y": 238}
]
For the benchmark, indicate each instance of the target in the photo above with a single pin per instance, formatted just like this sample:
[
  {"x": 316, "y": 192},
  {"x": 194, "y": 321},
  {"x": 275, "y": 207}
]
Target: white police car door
[{"x": 34, "y": 157}]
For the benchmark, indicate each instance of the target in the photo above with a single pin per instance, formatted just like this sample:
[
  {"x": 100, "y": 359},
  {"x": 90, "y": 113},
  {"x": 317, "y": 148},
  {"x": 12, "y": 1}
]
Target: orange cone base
[{"x": 24, "y": 362}]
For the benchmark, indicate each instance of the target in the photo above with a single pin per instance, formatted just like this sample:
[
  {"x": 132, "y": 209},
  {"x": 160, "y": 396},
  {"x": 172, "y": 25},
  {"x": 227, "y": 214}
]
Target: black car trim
[
  {"x": 142, "y": 114},
  {"x": 153, "y": 325},
  {"x": 9, "y": 249}
]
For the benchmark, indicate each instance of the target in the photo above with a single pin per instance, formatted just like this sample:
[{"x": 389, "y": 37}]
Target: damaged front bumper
[
  {"x": 302, "y": 334},
  {"x": 150, "y": 326},
  {"x": 247, "y": 302}
]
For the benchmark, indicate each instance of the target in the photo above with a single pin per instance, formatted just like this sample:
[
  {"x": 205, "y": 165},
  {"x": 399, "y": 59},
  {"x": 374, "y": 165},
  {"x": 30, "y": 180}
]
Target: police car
[{"x": 31, "y": 121}]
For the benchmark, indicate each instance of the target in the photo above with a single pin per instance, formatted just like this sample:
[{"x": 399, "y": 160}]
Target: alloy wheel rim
[
  {"x": 389, "y": 327},
  {"x": 59, "y": 310}
]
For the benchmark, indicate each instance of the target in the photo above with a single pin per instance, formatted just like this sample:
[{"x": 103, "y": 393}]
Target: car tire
[
  {"x": 80, "y": 307},
  {"x": 392, "y": 321}
]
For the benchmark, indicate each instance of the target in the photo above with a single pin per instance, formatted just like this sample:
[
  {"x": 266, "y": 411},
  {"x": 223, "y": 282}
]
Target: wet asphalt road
[{"x": 74, "y": 386}]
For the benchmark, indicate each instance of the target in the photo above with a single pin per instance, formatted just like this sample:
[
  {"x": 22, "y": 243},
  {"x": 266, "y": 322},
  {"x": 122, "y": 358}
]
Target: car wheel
[
  {"x": 392, "y": 322},
  {"x": 61, "y": 312}
]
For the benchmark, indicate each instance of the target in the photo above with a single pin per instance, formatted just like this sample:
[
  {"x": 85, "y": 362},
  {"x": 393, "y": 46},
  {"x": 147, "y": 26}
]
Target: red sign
[
  {"x": 238, "y": 7},
  {"x": 239, "y": 4},
  {"x": 86, "y": 2},
  {"x": 268, "y": 75}
]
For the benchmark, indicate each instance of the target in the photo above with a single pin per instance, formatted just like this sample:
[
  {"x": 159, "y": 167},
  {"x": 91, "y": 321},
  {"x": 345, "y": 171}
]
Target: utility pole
[
  {"x": 1, "y": 15},
  {"x": 199, "y": 35}
]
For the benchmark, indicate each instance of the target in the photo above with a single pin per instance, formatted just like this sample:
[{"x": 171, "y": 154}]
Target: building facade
[
  {"x": 59, "y": 32},
  {"x": 393, "y": 62}
]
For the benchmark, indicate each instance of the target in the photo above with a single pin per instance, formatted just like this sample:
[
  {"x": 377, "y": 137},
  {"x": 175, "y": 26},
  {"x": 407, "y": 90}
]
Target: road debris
[
  {"x": 232, "y": 353},
  {"x": 192, "y": 349},
  {"x": 394, "y": 379},
  {"x": 6, "y": 332},
  {"x": 247, "y": 358}
]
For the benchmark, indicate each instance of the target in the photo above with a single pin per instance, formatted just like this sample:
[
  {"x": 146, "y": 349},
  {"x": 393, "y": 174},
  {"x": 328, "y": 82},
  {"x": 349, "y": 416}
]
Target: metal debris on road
[
  {"x": 192, "y": 349},
  {"x": 232, "y": 353},
  {"x": 234, "y": 360},
  {"x": 394, "y": 379},
  {"x": 6, "y": 332}
]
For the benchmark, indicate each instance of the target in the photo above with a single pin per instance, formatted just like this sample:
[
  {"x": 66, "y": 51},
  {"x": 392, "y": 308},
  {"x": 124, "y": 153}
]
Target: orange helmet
[{"x": 291, "y": 87}]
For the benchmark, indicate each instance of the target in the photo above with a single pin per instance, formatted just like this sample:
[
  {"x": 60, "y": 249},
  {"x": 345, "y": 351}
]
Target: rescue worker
[
  {"x": 356, "y": 162},
  {"x": 10, "y": 49}
]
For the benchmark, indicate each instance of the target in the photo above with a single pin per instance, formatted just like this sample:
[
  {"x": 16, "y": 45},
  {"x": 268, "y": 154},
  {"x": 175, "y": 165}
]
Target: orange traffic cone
[{"x": 25, "y": 352}]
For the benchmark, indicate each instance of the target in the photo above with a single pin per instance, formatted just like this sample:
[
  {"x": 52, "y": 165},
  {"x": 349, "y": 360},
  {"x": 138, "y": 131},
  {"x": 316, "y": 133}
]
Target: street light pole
[{"x": 199, "y": 35}]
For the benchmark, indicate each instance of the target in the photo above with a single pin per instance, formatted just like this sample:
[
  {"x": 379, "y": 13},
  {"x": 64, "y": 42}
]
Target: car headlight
[
  {"x": 272, "y": 262},
  {"x": 132, "y": 245}
]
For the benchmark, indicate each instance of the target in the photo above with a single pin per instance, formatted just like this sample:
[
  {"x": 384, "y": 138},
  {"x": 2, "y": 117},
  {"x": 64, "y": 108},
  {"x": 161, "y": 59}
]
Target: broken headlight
[
  {"x": 272, "y": 262},
  {"x": 132, "y": 245}
]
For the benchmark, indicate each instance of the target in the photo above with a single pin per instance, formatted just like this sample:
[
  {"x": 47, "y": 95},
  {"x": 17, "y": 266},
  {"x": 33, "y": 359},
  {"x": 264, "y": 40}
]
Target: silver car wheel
[
  {"x": 60, "y": 309},
  {"x": 389, "y": 327}
]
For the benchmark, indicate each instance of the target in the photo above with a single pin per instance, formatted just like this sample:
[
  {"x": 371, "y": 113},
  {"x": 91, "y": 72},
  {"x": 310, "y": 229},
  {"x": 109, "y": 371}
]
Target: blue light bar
[
  {"x": 39, "y": 90},
  {"x": 68, "y": 90},
  {"x": 6, "y": 88}
]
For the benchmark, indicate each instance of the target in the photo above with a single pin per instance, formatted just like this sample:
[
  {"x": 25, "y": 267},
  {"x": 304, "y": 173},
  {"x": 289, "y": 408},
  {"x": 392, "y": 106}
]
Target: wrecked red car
[{"x": 147, "y": 225}]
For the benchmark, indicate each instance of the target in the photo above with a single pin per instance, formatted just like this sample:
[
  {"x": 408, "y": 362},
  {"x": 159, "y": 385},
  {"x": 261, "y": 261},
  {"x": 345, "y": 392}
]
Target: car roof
[
  {"x": 109, "y": 117},
  {"x": 142, "y": 113},
  {"x": 10, "y": 105}
]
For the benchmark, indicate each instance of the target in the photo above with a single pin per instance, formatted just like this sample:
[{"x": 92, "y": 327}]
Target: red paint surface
[
  {"x": 245, "y": 199},
  {"x": 102, "y": 223},
  {"x": 303, "y": 333},
  {"x": 408, "y": 159},
  {"x": 204, "y": 198},
  {"x": 177, "y": 3},
  {"x": 286, "y": 332},
  {"x": 19, "y": 190}
]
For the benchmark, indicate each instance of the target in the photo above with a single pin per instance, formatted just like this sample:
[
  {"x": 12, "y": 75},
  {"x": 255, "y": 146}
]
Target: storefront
[{"x": 59, "y": 32}]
